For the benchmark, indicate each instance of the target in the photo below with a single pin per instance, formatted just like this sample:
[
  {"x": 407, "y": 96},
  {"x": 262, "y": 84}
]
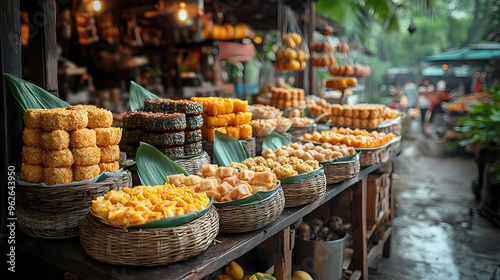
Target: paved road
[{"x": 438, "y": 233}]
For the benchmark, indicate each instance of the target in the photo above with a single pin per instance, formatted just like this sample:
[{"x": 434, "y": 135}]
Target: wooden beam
[
  {"x": 42, "y": 45},
  {"x": 388, "y": 244},
  {"x": 359, "y": 227}
]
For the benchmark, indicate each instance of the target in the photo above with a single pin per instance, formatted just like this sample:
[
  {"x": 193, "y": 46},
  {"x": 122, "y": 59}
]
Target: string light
[{"x": 182, "y": 12}]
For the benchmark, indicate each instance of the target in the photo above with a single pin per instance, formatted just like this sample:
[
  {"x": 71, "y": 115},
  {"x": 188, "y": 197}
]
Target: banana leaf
[
  {"x": 30, "y": 96},
  {"x": 137, "y": 96},
  {"x": 228, "y": 149},
  {"x": 274, "y": 141},
  {"x": 258, "y": 196},
  {"x": 154, "y": 167},
  {"x": 302, "y": 177}
]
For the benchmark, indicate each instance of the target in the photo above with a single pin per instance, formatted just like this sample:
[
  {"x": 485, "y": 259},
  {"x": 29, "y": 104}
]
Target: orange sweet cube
[
  {"x": 245, "y": 131},
  {"x": 234, "y": 131},
  {"x": 239, "y": 105},
  {"x": 242, "y": 118}
]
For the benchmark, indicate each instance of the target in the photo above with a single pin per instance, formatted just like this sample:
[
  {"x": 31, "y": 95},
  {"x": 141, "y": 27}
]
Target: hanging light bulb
[
  {"x": 97, "y": 5},
  {"x": 182, "y": 14}
]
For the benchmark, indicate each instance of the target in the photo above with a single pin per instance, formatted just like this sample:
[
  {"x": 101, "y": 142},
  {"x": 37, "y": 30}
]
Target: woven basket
[
  {"x": 341, "y": 171},
  {"x": 304, "y": 192},
  {"x": 374, "y": 157},
  {"x": 249, "y": 144},
  {"x": 258, "y": 145},
  {"x": 55, "y": 212},
  {"x": 193, "y": 165},
  {"x": 148, "y": 247},
  {"x": 252, "y": 216}
]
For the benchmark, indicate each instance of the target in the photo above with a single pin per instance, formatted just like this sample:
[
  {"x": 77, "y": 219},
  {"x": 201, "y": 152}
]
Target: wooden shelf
[{"x": 69, "y": 255}]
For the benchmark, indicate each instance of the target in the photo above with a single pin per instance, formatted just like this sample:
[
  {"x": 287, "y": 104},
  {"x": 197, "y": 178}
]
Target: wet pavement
[{"x": 438, "y": 232}]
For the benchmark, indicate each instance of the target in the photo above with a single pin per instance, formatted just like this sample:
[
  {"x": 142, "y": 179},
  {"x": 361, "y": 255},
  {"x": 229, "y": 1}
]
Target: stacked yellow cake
[
  {"x": 49, "y": 135},
  {"x": 225, "y": 115}
]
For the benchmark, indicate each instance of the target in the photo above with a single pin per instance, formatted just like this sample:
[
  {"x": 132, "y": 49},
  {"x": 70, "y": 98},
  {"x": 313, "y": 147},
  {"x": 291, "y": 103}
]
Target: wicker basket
[
  {"x": 304, "y": 192},
  {"x": 252, "y": 216},
  {"x": 258, "y": 145},
  {"x": 341, "y": 171},
  {"x": 249, "y": 144},
  {"x": 148, "y": 247},
  {"x": 55, "y": 212},
  {"x": 368, "y": 158},
  {"x": 193, "y": 165}
]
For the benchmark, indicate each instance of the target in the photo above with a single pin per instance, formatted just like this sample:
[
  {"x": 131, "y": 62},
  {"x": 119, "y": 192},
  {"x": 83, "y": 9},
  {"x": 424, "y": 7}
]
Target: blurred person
[
  {"x": 423, "y": 102},
  {"x": 411, "y": 93},
  {"x": 436, "y": 99}
]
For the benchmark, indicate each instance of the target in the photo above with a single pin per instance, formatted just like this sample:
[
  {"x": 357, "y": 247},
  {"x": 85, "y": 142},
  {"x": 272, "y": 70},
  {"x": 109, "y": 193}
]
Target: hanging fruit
[{"x": 292, "y": 56}]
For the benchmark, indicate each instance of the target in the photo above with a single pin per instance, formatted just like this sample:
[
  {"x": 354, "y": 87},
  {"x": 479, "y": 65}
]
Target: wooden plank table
[{"x": 69, "y": 255}]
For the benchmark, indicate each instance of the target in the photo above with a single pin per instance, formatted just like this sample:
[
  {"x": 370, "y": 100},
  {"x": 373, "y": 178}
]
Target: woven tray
[
  {"x": 148, "y": 247},
  {"x": 252, "y": 216},
  {"x": 341, "y": 171},
  {"x": 249, "y": 144},
  {"x": 55, "y": 212},
  {"x": 367, "y": 158},
  {"x": 304, "y": 192},
  {"x": 193, "y": 165}
]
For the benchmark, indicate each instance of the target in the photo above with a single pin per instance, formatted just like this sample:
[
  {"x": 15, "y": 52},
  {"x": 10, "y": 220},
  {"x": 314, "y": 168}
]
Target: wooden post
[
  {"x": 280, "y": 245},
  {"x": 10, "y": 62},
  {"x": 42, "y": 46},
  {"x": 386, "y": 252},
  {"x": 312, "y": 27},
  {"x": 359, "y": 227}
]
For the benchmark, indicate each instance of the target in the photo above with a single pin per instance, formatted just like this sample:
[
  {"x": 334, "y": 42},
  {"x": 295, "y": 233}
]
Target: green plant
[{"x": 483, "y": 124}]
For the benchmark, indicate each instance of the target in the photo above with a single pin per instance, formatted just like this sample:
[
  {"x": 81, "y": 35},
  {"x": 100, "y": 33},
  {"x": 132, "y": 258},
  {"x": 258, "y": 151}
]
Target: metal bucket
[{"x": 322, "y": 259}]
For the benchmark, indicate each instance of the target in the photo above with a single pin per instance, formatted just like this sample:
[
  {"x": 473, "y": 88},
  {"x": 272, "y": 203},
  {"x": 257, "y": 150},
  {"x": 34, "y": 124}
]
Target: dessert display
[
  {"x": 142, "y": 204},
  {"x": 358, "y": 116},
  {"x": 287, "y": 97},
  {"x": 323, "y": 61},
  {"x": 281, "y": 166},
  {"x": 283, "y": 124},
  {"x": 172, "y": 126},
  {"x": 341, "y": 83},
  {"x": 225, "y": 183},
  {"x": 262, "y": 128},
  {"x": 461, "y": 104},
  {"x": 350, "y": 70},
  {"x": 357, "y": 138},
  {"x": 226, "y": 115},
  {"x": 63, "y": 145},
  {"x": 309, "y": 151},
  {"x": 301, "y": 121},
  {"x": 263, "y": 111}
]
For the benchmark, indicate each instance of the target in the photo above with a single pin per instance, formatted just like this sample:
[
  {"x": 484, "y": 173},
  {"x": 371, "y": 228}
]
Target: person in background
[
  {"x": 423, "y": 102},
  {"x": 410, "y": 91},
  {"x": 437, "y": 98}
]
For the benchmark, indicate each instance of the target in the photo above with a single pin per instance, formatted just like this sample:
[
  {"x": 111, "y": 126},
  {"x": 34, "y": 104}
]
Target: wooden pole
[
  {"x": 359, "y": 227},
  {"x": 42, "y": 46},
  {"x": 312, "y": 27}
]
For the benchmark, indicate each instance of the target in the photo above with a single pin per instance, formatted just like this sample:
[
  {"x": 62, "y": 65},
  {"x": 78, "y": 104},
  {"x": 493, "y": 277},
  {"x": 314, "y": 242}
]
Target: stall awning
[{"x": 487, "y": 51}]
